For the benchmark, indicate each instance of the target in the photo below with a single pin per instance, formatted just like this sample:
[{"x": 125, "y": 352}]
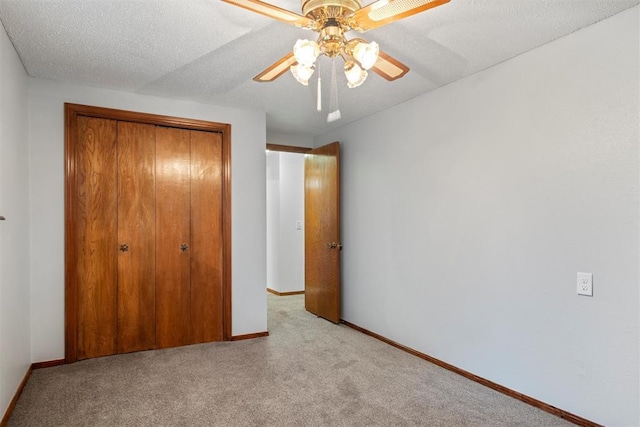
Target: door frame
[
  {"x": 288, "y": 148},
  {"x": 72, "y": 112}
]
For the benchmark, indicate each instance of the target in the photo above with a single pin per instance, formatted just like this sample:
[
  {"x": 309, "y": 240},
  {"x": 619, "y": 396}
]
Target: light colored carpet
[{"x": 308, "y": 372}]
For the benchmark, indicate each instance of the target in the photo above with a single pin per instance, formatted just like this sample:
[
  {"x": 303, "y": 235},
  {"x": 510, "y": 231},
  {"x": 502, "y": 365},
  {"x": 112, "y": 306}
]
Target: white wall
[
  {"x": 15, "y": 356},
  {"x": 291, "y": 212},
  {"x": 285, "y": 208},
  {"x": 46, "y": 112},
  {"x": 273, "y": 219},
  {"x": 468, "y": 211}
]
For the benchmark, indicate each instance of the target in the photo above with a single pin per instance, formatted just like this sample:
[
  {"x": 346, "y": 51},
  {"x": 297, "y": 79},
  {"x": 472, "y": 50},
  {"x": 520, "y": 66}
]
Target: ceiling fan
[{"x": 331, "y": 19}]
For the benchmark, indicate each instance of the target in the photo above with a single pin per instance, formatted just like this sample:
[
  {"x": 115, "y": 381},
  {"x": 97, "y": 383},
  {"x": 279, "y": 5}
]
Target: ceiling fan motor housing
[
  {"x": 324, "y": 9},
  {"x": 331, "y": 38}
]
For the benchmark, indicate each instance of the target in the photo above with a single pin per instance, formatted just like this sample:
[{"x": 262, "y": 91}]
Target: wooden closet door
[
  {"x": 96, "y": 234},
  {"x": 151, "y": 183},
  {"x": 173, "y": 289},
  {"x": 206, "y": 236},
  {"x": 136, "y": 237}
]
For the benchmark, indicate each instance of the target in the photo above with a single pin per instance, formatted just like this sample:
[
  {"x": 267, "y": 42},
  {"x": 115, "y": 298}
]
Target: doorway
[
  {"x": 307, "y": 251},
  {"x": 285, "y": 220}
]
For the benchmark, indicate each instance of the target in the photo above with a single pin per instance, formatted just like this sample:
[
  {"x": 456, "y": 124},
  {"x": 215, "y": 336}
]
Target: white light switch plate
[{"x": 585, "y": 284}]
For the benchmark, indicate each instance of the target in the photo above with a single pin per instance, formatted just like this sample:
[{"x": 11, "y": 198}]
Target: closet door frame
[{"x": 72, "y": 112}]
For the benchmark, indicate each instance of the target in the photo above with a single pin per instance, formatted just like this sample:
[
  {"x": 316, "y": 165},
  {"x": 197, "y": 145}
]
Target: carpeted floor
[{"x": 308, "y": 372}]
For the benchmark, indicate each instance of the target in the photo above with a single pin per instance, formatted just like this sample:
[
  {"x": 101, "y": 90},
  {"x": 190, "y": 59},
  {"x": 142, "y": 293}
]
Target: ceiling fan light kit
[
  {"x": 355, "y": 75},
  {"x": 331, "y": 19},
  {"x": 366, "y": 53},
  {"x": 302, "y": 73},
  {"x": 306, "y": 52}
]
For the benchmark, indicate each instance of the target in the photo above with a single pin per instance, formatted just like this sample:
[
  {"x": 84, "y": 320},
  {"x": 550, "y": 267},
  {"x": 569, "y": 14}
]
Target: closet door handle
[
  {"x": 334, "y": 245},
  {"x": 2, "y": 218},
  {"x": 124, "y": 247},
  {"x": 184, "y": 247}
]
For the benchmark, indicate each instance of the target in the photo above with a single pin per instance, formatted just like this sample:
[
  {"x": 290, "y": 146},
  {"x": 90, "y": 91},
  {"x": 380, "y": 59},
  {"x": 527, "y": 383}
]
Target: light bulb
[
  {"x": 366, "y": 54},
  {"x": 302, "y": 73},
  {"x": 306, "y": 52},
  {"x": 355, "y": 75}
]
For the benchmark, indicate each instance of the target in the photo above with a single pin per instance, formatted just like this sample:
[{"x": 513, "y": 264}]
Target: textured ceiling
[{"x": 209, "y": 51}]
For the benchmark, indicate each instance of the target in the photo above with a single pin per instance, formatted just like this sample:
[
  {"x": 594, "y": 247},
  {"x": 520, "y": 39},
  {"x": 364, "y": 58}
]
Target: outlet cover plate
[{"x": 585, "y": 284}]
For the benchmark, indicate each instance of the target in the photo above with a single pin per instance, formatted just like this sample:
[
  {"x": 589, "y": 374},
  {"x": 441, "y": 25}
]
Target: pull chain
[
  {"x": 319, "y": 102},
  {"x": 334, "y": 110}
]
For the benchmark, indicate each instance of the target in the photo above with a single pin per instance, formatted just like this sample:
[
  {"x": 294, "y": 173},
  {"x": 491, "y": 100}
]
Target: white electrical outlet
[
  {"x": 298, "y": 225},
  {"x": 585, "y": 284}
]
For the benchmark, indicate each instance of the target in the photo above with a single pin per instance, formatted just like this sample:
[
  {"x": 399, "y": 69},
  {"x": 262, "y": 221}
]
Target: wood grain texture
[
  {"x": 284, "y": 294},
  {"x": 383, "y": 12},
  {"x": 206, "y": 237},
  {"x": 226, "y": 234},
  {"x": 322, "y": 219},
  {"x": 276, "y": 69},
  {"x": 276, "y": 12},
  {"x": 96, "y": 266},
  {"x": 173, "y": 289},
  {"x": 288, "y": 148},
  {"x": 73, "y": 113},
  {"x": 70, "y": 234},
  {"x": 136, "y": 229},
  {"x": 250, "y": 336},
  {"x": 14, "y": 401},
  {"x": 389, "y": 68},
  {"x": 79, "y": 110},
  {"x": 47, "y": 364},
  {"x": 485, "y": 382}
]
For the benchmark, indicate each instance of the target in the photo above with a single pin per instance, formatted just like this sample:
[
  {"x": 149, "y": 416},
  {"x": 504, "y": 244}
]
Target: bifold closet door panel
[
  {"x": 96, "y": 233},
  {"x": 136, "y": 237},
  {"x": 173, "y": 182},
  {"x": 206, "y": 236}
]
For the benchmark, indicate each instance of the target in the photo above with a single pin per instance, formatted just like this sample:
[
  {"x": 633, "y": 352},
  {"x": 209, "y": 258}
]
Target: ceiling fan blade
[
  {"x": 275, "y": 12},
  {"x": 277, "y": 69},
  {"x": 389, "y": 68},
  {"x": 383, "y": 12}
]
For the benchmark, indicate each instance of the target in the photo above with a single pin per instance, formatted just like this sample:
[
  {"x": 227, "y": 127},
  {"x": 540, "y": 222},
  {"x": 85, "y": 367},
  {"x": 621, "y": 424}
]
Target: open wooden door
[{"x": 322, "y": 231}]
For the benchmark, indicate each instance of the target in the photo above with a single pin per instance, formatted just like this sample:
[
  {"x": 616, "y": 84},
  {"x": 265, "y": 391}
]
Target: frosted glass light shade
[
  {"x": 301, "y": 73},
  {"x": 355, "y": 75},
  {"x": 366, "y": 54},
  {"x": 306, "y": 52}
]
